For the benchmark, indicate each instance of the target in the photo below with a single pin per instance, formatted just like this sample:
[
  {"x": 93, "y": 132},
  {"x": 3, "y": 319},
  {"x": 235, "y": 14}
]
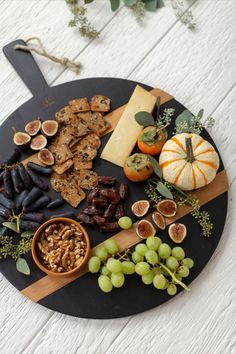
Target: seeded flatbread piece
[
  {"x": 79, "y": 105},
  {"x": 87, "y": 179},
  {"x": 91, "y": 140},
  {"x": 64, "y": 116},
  {"x": 95, "y": 122},
  {"x": 86, "y": 153},
  {"x": 61, "y": 153},
  {"x": 73, "y": 194},
  {"x": 82, "y": 165},
  {"x": 58, "y": 181},
  {"x": 60, "y": 169},
  {"x": 100, "y": 103}
]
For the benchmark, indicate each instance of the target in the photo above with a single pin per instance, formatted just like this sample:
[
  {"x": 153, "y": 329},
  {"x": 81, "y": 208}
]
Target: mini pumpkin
[{"x": 188, "y": 161}]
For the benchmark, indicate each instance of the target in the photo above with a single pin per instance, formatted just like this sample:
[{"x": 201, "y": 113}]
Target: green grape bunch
[{"x": 154, "y": 261}]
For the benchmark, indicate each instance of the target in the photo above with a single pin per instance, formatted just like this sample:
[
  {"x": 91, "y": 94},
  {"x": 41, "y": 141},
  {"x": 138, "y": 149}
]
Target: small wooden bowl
[{"x": 34, "y": 247}]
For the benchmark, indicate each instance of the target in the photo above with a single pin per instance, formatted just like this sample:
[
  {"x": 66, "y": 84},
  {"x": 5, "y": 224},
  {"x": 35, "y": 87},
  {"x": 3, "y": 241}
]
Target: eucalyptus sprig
[
  {"x": 186, "y": 122},
  {"x": 160, "y": 121},
  {"x": 138, "y": 7}
]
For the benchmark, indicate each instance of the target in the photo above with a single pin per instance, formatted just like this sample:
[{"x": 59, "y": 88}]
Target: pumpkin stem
[{"x": 189, "y": 148}]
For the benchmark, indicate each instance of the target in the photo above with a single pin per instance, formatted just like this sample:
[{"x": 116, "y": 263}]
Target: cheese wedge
[{"x": 125, "y": 135}]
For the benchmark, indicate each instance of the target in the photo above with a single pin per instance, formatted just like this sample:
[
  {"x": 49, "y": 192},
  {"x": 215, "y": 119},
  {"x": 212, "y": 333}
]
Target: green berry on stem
[
  {"x": 171, "y": 289},
  {"x": 142, "y": 268},
  {"x": 164, "y": 250},
  {"x": 178, "y": 253},
  {"x": 105, "y": 271},
  {"x": 114, "y": 265},
  {"x": 105, "y": 283},
  {"x": 94, "y": 264},
  {"x": 188, "y": 262},
  {"x": 136, "y": 257},
  {"x": 153, "y": 243},
  {"x": 151, "y": 257},
  {"x": 117, "y": 279},
  {"x": 128, "y": 267},
  {"x": 141, "y": 248},
  {"x": 159, "y": 281},
  {"x": 147, "y": 279},
  {"x": 172, "y": 263},
  {"x": 183, "y": 271},
  {"x": 111, "y": 246},
  {"x": 101, "y": 253}
]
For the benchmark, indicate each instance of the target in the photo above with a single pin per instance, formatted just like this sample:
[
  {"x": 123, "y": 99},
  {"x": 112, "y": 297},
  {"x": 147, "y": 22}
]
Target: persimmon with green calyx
[
  {"x": 150, "y": 140},
  {"x": 138, "y": 167}
]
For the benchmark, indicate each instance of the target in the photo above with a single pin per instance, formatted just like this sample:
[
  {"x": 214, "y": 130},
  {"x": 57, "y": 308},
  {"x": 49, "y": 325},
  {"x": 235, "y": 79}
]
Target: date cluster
[{"x": 105, "y": 205}]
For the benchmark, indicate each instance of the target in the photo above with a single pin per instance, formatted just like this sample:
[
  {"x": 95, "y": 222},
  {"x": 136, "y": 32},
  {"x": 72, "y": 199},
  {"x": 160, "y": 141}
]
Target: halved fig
[
  {"x": 21, "y": 139},
  {"x": 46, "y": 157},
  {"x": 177, "y": 232},
  {"x": 49, "y": 127},
  {"x": 167, "y": 207},
  {"x": 33, "y": 127},
  {"x": 140, "y": 208},
  {"x": 159, "y": 220},
  {"x": 145, "y": 229},
  {"x": 38, "y": 143}
]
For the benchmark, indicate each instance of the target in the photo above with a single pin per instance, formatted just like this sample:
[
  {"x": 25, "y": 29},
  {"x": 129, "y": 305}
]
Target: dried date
[
  {"x": 99, "y": 202},
  {"x": 86, "y": 219},
  {"x": 92, "y": 210},
  {"x": 99, "y": 220},
  {"x": 110, "y": 227},
  {"x": 110, "y": 210},
  {"x": 111, "y": 194},
  {"x": 123, "y": 191},
  {"x": 106, "y": 180},
  {"x": 93, "y": 194},
  {"x": 119, "y": 211}
]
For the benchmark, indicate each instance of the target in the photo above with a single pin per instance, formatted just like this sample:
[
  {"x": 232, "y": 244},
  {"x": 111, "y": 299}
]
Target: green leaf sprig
[
  {"x": 188, "y": 123},
  {"x": 160, "y": 121}
]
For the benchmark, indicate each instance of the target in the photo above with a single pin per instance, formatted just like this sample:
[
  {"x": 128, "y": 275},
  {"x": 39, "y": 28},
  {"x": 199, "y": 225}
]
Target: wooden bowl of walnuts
[{"x": 60, "y": 247}]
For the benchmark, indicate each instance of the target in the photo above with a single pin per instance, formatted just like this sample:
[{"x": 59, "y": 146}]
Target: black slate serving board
[{"x": 82, "y": 298}]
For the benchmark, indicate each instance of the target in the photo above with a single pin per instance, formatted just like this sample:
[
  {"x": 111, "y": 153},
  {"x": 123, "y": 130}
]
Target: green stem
[
  {"x": 174, "y": 277},
  {"x": 189, "y": 148}
]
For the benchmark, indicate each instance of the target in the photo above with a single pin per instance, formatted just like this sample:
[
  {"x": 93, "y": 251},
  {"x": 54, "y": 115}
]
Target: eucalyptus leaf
[
  {"x": 200, "y": 113},
  {"x": 10, "y": 225},
  {"x": 158, "y": 104},
  {"x": 88, "y": 1},
  {"x": 185, "y": 116},
  {"x": 164, "y": 191},
  {"x": 22, "y": 266},
  {"x": 165, "y": 132},
  {"x": 27, "y": 233},
  {"x": 144, "y": 118},
  {"x": 115, "y": 4},
  {"x": 156, "y": 166},
  {"x": 130, "y": 3},
  {"x": 152, "y": 5}
]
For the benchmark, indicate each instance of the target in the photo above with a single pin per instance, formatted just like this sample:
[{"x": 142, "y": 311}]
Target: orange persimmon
[
  {"x": 138, "y": 167},
  {"x": 150, "y": 140}
]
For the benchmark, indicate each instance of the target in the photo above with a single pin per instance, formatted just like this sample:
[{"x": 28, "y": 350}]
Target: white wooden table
[{"x": 199, "y": 69}]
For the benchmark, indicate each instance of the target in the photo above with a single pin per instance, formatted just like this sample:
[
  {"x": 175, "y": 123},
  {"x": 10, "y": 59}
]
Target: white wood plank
[{"x": 48, "y": 20}]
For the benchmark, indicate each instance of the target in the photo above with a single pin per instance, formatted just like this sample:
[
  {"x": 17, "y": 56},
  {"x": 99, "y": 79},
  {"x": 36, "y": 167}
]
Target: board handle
[{"x": 26, "y": 67}]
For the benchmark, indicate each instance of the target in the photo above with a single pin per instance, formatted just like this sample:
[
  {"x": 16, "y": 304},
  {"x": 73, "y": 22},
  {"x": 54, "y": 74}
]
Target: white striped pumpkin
[{"x": 185, "y": 172}]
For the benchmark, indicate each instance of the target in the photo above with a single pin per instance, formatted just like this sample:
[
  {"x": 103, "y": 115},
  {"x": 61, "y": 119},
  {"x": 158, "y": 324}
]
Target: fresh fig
[
  {"x": 159, "y": 220},
  {"x": 49, "y": 127},
  {"x": 177, "y": 232},
  {"x": 167, "y": 207},
  {"x": 33, "y": 127},
  {"x": 140, "y": 208},
  {"x": 38, "y": 143},
  {"x": 145, "y": 229},
  {"x": 21, "y": 139},
  {"x": 46, "y": 157}
]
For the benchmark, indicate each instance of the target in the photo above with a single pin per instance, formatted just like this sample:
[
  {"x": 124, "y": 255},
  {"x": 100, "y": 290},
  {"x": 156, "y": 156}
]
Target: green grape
[
  {"x": 136, "y": 257},
  {"x": 111, "y": 246},
  {"x": 171, "y": 289},
  {"x": 125, "y": 222},
  {"x": 142, "y": 268},
  {"x": 178, "y": 253},
  {"x": 117, "y": 279},
  {"x": 164, "y": 250},
  {"x": 159, "y": 281},
  {"x": 148, "y": 278},
  {"x": 172, "y": 263},
  {"x": 158, "y": 270},
  {"x": 94, "y": 264},
  {"x": 188, "y": 262},
  {"x": 128, "y": 267},
  {"x": 153, "y": 243},
  {"x": 141, "y": 248},
  {"x": 114, "y": 265},
  {"x": 101, "y": 253},
  {"x": 105, "y": 283},
  {"x": 183, "y": 271},
  {"x": 105, "y": 271},
  {"x": 178, "y": 277},
  {"x": 151, "y": 257}
]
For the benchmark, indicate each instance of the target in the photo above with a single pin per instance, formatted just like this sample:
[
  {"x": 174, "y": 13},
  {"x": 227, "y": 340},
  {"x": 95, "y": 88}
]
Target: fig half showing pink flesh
[
  {"x": 46, "y": 157},
  {"x": 49, "y": 127},
  {"x": 33, "y": 127},
  {"x": 38, "y": 143},
  {"x": 21, "y": 139}
]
